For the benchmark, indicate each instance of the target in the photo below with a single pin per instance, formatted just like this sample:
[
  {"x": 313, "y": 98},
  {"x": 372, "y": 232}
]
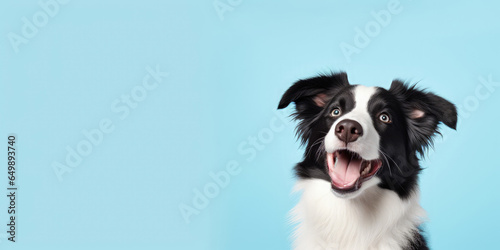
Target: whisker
[
  {"x": 395, "y": 163},
  {"x": 319, "y": 140},
  {"x": 388, "y": 165},
  {"x": 320, "y": 152}
]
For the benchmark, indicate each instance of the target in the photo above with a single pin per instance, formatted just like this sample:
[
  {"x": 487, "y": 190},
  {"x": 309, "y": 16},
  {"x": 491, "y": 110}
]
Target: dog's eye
[
  {"x": 336, "y": 112},
  {"x": 385, "y": 118}
]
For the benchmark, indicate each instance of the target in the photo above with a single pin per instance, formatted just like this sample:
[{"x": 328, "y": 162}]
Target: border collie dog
[{"x": 359, "y": 176}]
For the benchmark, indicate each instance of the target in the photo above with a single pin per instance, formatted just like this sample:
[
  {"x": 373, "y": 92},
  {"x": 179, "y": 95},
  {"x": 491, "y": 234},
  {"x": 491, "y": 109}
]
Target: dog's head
[{"x": 357, "y": 137}]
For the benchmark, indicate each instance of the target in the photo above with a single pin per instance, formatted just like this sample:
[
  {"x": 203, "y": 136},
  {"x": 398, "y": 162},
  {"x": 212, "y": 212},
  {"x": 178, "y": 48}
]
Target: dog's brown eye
[
  {"x": 336, "y": 112},
  {"x": 385, "y": 118}
]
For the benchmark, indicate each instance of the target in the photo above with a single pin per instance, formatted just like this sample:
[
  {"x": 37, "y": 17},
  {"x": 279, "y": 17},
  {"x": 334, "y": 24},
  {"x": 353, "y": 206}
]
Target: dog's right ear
[{"x": 310, "y": 95}]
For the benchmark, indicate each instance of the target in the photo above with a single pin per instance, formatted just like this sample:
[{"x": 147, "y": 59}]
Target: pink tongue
[{"x": 345, "y": 172}]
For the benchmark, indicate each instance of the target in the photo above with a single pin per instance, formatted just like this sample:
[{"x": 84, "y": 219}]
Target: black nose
[{"x": 348, "y": 130}]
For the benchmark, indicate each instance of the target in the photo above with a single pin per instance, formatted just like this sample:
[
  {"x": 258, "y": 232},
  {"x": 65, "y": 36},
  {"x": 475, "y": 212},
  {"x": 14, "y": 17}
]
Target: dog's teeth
[
  {"x": 367, "y": 169},
  {"x": 363, "y": 172}
]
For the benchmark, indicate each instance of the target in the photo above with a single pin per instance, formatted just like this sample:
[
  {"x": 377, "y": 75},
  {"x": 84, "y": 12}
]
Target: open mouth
[{"x": 348, "y": 170}]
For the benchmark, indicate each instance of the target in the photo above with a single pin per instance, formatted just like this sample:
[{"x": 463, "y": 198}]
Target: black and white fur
[{"x": 384, "y": 211}]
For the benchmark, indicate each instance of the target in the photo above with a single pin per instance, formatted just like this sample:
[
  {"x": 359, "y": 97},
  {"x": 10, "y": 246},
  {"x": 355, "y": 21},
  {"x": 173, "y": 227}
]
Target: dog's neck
[{"x": 376, "y": 219}]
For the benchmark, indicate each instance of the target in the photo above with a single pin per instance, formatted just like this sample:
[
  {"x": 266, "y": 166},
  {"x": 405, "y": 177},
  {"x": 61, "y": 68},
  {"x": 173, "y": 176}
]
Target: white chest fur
[{"x": 377, "y": 219}]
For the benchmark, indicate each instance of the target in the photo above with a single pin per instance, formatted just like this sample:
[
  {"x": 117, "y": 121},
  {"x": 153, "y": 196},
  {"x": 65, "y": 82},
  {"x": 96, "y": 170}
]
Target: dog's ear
[
  {"x": 424, "y": 111},
  {"x": 311, "y": 95}
]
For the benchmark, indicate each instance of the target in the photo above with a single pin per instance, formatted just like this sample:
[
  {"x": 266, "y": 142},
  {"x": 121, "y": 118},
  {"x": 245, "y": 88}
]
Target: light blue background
[{"x": 225, "y": 80}]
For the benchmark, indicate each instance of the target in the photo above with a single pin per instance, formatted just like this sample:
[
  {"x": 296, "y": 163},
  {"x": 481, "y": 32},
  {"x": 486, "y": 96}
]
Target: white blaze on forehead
[
  {"x": 367, "y": 145},
  {"x": 362, "y": 95}
]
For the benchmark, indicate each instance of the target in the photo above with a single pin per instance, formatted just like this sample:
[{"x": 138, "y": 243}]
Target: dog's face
[{"x": 358, "y": 137}]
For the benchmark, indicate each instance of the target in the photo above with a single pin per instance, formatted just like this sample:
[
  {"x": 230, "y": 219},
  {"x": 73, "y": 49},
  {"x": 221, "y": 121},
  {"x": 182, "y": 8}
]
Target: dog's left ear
[{"x": 424, "y": 110}]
